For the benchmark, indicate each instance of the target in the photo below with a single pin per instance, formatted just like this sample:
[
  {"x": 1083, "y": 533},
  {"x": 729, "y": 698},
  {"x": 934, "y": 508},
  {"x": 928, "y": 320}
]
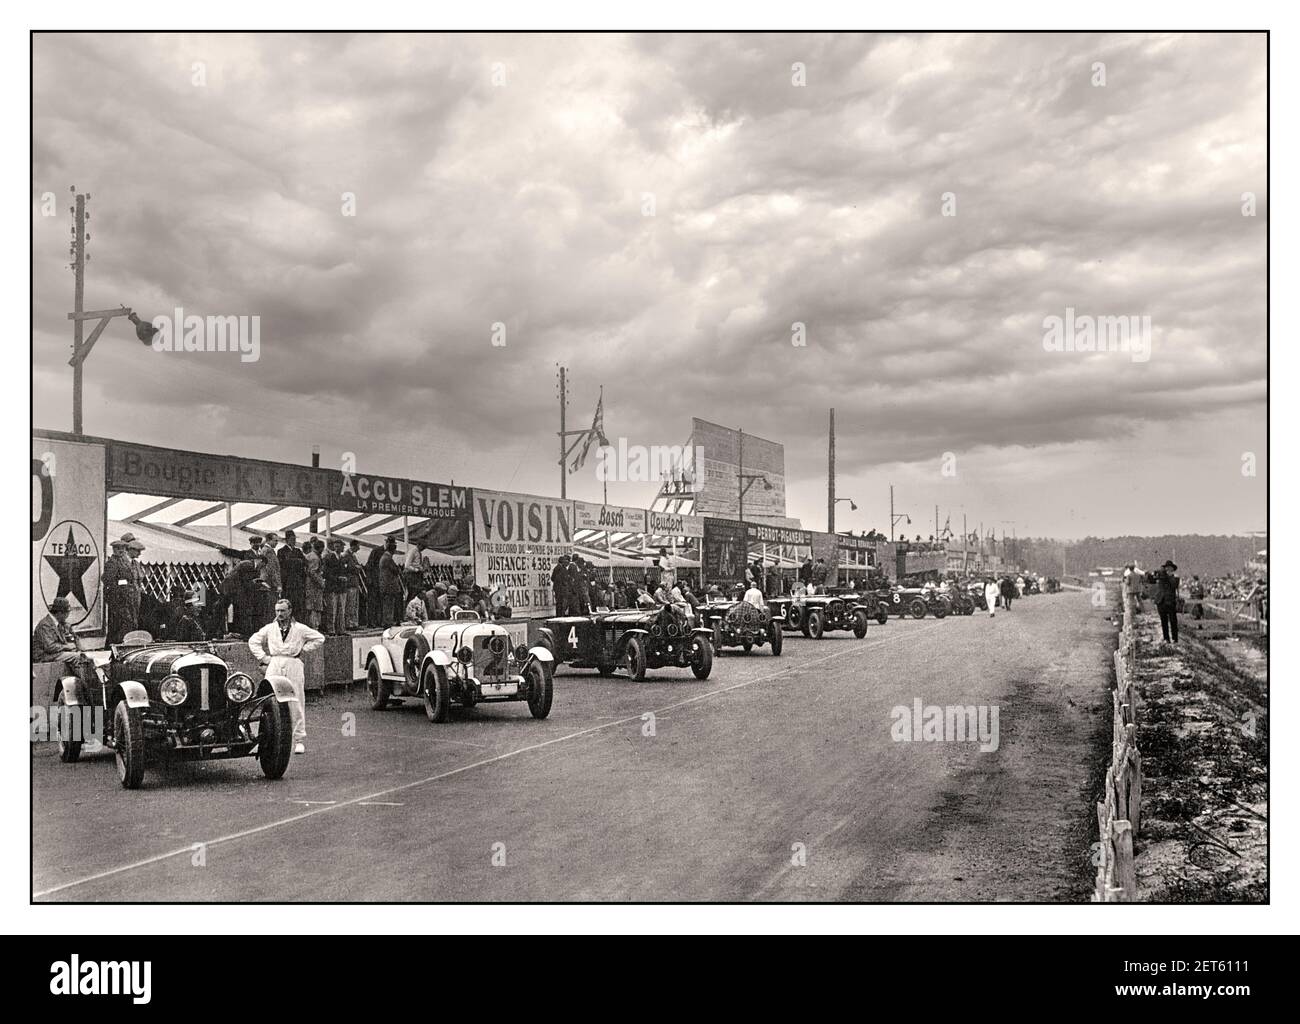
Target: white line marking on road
[
  {"x": 380, "y": 803},
  {"x": 185, "y": 851},
  {"x": 311, "y": 802}
]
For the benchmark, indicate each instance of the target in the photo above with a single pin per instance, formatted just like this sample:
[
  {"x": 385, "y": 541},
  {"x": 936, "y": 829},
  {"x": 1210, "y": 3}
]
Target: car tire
[
  {"x": 748, "y": 645},
  {"x": 882, "y": 613},
  {"x": 702, "y": 663},
  {"x": 128, "y": 737},
  {"x": 541, "y": 689},
  {"x": 860, "y": 621},
  {"x": 437, "y": 693},
  {"x": 794, "y": 618},
  {"x": 377, "y": 686},
  {"x": 777, "y": 638},
  {"x": 69, "y": 749},
  {"x": 815, "y": 627},
  {"x": 274, "y": 738},
  {"x": 917, "y": 608},
  {"x": 940, "y": 610},
  {"x": 606, "y": 670},
  {"x": 636, "y": 658}
]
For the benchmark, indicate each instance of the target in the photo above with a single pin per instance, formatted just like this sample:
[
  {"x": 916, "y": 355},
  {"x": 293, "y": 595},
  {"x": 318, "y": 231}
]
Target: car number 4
[{"x": 573, "y": 636}]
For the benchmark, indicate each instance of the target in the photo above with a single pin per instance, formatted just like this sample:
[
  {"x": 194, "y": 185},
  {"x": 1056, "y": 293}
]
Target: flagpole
[{"x": 604, "y": 484}]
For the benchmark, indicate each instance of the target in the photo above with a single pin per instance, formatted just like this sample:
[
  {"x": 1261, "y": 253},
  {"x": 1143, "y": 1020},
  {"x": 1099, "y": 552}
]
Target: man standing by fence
[{"x": 1166, "y": 599}]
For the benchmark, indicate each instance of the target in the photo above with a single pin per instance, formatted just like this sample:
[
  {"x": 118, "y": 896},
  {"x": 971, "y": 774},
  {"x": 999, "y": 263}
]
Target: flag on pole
[{"x": 596, "y": 433}]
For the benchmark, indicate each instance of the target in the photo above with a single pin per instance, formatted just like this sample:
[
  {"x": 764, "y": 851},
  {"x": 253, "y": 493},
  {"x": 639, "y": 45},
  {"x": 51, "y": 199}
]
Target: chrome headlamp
[
  {"x": 239, "y": 687},
  {"x": 173, "y": 690}
]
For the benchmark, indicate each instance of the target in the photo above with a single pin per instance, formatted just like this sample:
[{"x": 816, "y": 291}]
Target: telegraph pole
[
  {"x": 740, "y": 478},
  {"x": 830, "y": 480},
  {"x": 891, "y": 513},
  {"x": 78, "y": 298},
  {"x": 564, "y": 404}
]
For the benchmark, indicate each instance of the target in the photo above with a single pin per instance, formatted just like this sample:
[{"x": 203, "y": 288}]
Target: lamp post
[
  {"x": 78, "y": 316},
  {"x": 894, "y": 517}
]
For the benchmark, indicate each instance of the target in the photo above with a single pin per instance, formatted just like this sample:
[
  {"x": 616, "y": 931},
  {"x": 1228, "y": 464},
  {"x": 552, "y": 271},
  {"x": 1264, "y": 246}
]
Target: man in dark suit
[
  {"x": 1166, "y": 581},
  {"x": 560, "y": 586},
  {"x": 119, "y": 581},
  {"x": 293, "y": 571},
  {"x": 54, "y": 641}
]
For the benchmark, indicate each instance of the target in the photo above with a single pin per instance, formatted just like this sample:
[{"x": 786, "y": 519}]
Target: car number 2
[{"x": 573, "y": 636}]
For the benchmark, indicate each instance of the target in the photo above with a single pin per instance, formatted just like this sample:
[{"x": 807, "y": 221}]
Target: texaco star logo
[{"x": 70, "y": 568}]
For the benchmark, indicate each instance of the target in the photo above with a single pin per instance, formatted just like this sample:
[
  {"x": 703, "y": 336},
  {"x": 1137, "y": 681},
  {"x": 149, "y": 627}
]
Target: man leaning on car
[{"x": 279, "y": 647}]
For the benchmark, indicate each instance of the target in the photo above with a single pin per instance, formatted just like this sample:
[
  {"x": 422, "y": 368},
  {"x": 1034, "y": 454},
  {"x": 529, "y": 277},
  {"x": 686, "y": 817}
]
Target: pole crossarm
[{"x": 82, "y": 351}]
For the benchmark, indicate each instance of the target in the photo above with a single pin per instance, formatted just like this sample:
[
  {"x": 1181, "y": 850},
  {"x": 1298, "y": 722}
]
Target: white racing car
[{"x": 464, "y": 661}]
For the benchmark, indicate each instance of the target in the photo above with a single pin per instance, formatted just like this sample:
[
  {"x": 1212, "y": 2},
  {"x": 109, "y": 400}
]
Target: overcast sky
[{"x": 504, "y": 179}]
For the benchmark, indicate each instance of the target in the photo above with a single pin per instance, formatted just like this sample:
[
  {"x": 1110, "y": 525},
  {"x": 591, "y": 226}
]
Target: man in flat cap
[
  {"x": 119, "y": 580},
  {"x": 54, "y": 641}
]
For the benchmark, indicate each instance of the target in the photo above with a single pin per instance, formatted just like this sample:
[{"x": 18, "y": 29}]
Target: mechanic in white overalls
[{"x": 279, "y": 646}]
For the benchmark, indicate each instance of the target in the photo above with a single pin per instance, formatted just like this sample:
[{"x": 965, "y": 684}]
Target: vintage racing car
[
  {"x": 917, "y": 601},
  {"x": 816, "y": 615},
  {"x": 180, "y": 702},
  {"x": 740, "y": 624},
  {"x": 637, "y": 639},
  {"x": 463, "y": 661}
]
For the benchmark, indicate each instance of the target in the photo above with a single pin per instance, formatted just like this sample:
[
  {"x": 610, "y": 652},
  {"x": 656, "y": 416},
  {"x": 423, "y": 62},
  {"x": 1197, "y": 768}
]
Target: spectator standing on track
[
  {"x": 1008, "y": 590},
  {"x": 279, "y": 647},
  {"x": 1166, "y": 582},
  {"x": 991, "y": 596},
  {"x": 374, "y": 598}
]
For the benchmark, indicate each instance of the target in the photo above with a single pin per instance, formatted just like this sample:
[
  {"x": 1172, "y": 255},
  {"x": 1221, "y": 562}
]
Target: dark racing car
[
  {"x": 180, "y": 702},
  {"x": 635, "y": 639},
  {"x": 822, "y": 613},
  {"x": 740, "y": 624}
]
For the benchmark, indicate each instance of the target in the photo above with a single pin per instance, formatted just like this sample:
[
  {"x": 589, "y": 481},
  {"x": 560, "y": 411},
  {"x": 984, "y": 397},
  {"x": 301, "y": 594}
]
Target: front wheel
[
  {"x": 748, "y": 645},
  {"x": 917, "y": 608},
  {"x": 437, "y": 694},
  {"x": 777, "y": 638},
  {"x": 377, "y": 686},
  {"x": 702, "y": 663},
  {"x": 882, "y": 613},
  {"x": 815, "y": 626},
  {"x": 860, "y": 624},
  {"x": 940, "y": 610},
  {"x": 128, "y": 734},
  {"x": 274, "y": 738},
  {"x": 636, "y": 658},
  {"x": 69, "y": 748},
  {"x": 795, "y": 617},
  {"x": 541, "y": 689}
]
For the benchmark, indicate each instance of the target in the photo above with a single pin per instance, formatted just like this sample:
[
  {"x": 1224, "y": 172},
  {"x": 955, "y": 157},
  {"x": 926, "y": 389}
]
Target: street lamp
[
  {"x": 852, "y": 504},
  {"x": 78, "y": 316}
]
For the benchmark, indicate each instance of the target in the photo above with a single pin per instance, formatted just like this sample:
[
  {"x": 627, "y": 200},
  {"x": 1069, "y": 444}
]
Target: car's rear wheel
[
  {"x": 860, "y": 621},
  {"x": 917, "y": 608},
  {"x": 815, "y": 626},
  {"x": 702, "y": 663},
  {"x": 128, "y": 734},
  {"x": 940, "y": 609},
  {"x": 636, "y": 658},
  {"x": 69, "y": 748},
  {"x": 377, "y": 686},
  {"x": 437, "y": 693},
  {"x": 795, "y": 617},
  {"x": 274, "y": 738},
  {"x": 541, "y": 689},
  {"x": 777, "y": 638}
]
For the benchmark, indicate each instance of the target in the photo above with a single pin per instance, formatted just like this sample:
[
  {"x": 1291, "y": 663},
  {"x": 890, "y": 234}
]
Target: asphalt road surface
[{"x": 777, "y": 779}]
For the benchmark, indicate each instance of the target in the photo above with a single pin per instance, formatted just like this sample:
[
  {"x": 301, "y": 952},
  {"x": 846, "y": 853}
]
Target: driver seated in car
[
  {"x": 415, "y": 611},
  {"x": 754, "y": 596}
]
